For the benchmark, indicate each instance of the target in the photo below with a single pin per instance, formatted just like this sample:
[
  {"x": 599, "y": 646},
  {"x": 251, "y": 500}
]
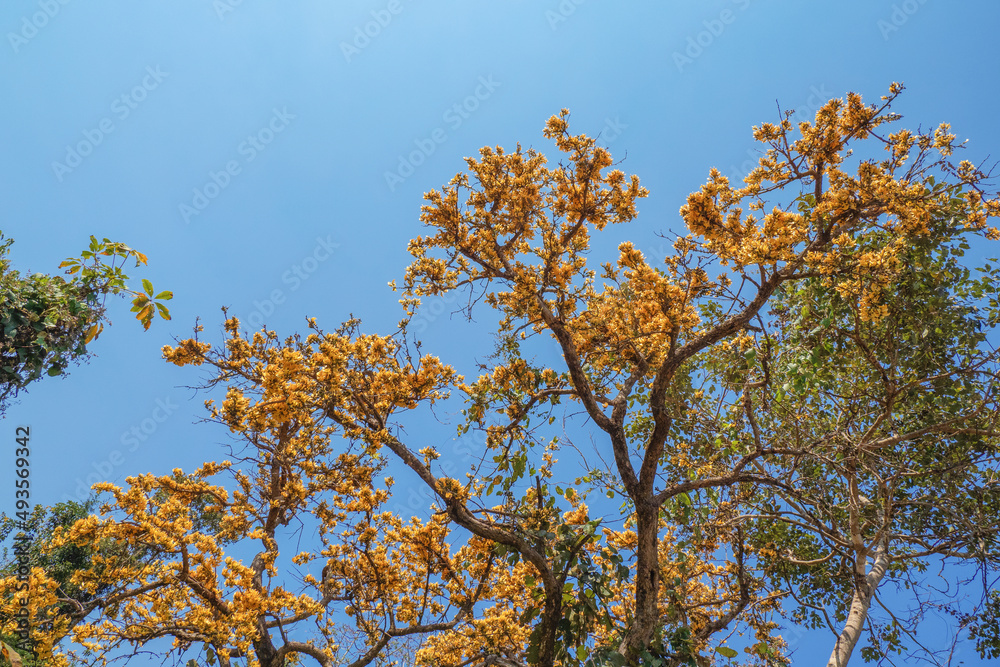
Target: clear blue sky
[{"x": 118, "y": 117}]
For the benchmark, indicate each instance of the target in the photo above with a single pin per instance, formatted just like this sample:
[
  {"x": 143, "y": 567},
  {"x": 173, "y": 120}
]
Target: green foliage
[
  {"x": 835, "y": 376},
  {"x": 586, "y": 589},
  {"x": 47, "y": 321},
  {"x": 61, "y": 563},
  {"x": 984, "y": 627}
]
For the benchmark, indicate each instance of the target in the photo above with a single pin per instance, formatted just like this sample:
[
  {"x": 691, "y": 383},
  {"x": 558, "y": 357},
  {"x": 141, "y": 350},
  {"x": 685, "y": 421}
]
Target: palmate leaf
[{"x": 145, "y": 315}]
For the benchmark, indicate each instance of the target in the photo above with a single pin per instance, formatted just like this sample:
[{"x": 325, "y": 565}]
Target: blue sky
[{"x": 271, "y": 157}]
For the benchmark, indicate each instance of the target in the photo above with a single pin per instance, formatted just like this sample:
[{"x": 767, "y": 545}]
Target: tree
[
  {"x": 73, "y": 602},
  {"x": 48, "y": 321},
  {"x": 59, "y": 564},
  {"x": 779, "y": 435},
  {"x": 901, "y": 413}
]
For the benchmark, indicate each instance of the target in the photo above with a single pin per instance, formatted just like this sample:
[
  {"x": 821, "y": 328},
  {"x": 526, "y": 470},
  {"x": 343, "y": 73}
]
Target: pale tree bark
[{"x": 864, "y": 592}]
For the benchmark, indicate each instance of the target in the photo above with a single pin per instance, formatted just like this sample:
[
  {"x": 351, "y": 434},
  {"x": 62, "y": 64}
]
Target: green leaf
[
  {"x": 147, "y": 286},
  {"x": 534, "y": 643},
  {"x": 165, "y": 295},
  {"x": 726, "y": 651},
  {"x": 529, "y": 614}
]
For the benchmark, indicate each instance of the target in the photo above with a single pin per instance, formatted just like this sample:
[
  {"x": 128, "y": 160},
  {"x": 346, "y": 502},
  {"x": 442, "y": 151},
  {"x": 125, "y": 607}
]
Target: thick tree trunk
[
  {"x": 863, "y": 594},
  {"x": 647, "y": 583},
  {"x": 263, "y": 647},
  {"x": 549, "y": 627}
]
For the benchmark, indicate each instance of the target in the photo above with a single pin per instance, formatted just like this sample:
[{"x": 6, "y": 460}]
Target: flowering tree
[{"x": 778, "y": 435}]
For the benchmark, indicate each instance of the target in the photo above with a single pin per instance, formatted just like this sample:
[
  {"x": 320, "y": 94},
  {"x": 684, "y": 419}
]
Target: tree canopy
[
  {"x": 47, "y": 321},
  {"x": 793, "y": 411}
]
